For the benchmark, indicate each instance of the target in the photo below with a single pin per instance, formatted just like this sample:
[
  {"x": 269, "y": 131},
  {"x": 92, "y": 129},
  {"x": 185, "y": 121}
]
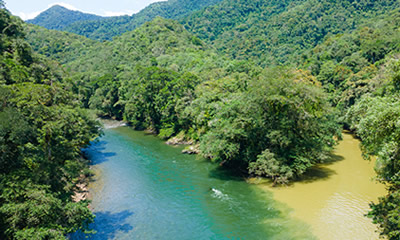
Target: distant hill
[
  {"x": 58, "y": 17},
  {"x": 61, "y": 46},
  {"x": 105, "y": 28},
  {"x": 161, "y": 40},
  {"x": 211, "y": 77},
  {"x": 279, "y": 32}
]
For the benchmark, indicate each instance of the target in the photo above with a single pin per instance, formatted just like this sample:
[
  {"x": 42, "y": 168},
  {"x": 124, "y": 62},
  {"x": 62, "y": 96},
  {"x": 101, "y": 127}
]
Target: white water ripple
[{"x": 218, "y": 194}]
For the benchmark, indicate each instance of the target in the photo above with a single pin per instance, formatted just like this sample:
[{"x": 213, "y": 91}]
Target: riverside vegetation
[
  {"x": 264, "y": 88},
  {"x": 41, "y": 133}
]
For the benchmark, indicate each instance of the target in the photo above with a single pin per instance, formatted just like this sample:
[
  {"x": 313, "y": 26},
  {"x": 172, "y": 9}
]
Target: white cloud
[
  {"x": 137, "y": 5},
  {"x": 121, "y": 13},
  {"x": 26, "y": 16},
  {"x": 31, "y": 15},
  {"x": 66, "y": 5},
  {"x": 70, "y": 7}
]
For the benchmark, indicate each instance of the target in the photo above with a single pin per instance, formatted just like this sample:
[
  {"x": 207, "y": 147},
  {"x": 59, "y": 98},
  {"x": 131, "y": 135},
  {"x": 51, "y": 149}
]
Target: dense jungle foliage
[
  {"x": 375, "y": 119},
  {"x": 279, "y": 32},
  {"x": 261, "y": 87},
  {"x": 161, "y": 77},
  {"x": 42, "y": 129}
]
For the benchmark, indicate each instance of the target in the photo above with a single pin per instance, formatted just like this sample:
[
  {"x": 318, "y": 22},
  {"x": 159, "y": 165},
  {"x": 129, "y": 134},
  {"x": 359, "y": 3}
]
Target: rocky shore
[
  {"x": 81, "y": 192},
  {"x": 110, "y": 123},
  {"x": 194, "y": 149},
  {"x": 180, "y": 140}
]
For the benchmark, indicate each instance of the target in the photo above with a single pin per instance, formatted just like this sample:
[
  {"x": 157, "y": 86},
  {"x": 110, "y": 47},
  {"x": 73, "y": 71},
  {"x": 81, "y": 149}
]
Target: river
[
  {"x": 145, "y": 189},
  {"x": 334, "y": 197}
]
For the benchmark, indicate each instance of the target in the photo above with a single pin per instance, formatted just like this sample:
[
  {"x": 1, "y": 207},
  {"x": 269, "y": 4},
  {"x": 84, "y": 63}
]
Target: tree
[
  {"x": 279, "y": 127},
  {"x": 375, "y": 118},
  {"x": 152, "y": 98},
  {"x": 42, "y": 132}
]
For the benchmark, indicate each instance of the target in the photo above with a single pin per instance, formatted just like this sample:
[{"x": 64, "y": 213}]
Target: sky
[{"x": 28, "y": 9}]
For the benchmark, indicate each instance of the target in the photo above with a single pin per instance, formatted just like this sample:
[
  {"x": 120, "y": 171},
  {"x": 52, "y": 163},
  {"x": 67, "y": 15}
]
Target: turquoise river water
[{"x": 149, "y": 190}]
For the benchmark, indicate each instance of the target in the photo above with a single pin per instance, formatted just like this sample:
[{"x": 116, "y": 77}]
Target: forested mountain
[
  {"x": 215, "y": 81},
  {"x": 106, "y": 28},
  {"x": 279, "y": 32},
  {"x": 268, "y": 32},
  {"x": 110, "y": 27},
  {"x": 63, "y": 47},
  {"x": 58, "y": 17},
  {"x": 42, "y": 131},
  {"x": 163, "y": 78}
]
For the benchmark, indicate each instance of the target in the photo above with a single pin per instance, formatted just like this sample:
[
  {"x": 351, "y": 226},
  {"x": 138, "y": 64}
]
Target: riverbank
[
  {"x": 81, "y": 192},
  {"x": 111, "y": 123},
  {"x": 83, "y": 183},
  {"x": 146, "y": 189},
  {"x": 330, "y": 201},
  {"x": 334, "y": 197}
]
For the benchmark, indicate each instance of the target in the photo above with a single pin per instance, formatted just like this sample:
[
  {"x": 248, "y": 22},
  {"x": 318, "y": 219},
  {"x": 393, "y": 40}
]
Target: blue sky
[{"x": 28, "y": 9}]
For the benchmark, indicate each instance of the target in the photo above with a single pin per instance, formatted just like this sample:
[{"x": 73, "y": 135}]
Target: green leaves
[
  {"x": 277, "y": 127},
  {"x": 386, "y": 214},
  {"x": 153, "y": 97},
  {"x": 275, "y": 123},
  {"x": 40, "y": 142},
  {"x": 32, "y": 211},
  {"x": 267, "y": 165},
  {"x": 376, "y": 121},
  {"x": 280, "y": 32},
  {"x": 42, "y": 132}
]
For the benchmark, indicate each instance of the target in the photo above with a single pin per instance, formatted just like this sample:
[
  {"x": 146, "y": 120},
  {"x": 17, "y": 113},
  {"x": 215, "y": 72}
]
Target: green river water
[{"x": 146, "y": 189}]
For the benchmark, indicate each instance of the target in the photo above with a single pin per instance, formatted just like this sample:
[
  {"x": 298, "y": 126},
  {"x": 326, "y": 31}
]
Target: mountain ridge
[
  {"x": 58, "y": 17},
  {"x": 105, "y": 28},
  {"x": 340, "y": 67},
  {"x": 273, "y": 31}
]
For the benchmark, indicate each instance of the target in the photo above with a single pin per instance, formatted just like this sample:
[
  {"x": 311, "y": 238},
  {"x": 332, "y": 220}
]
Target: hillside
[
  {"x": 62, "y": 47},
  {"x": 58, "y": 17},
  {"x": 163, "y": 78},
  {"x": 215, "y": 81},
  {"x": 99, "y": 28},
  {"x": 160, "y": 41},
  {"x": 42, "y": 132},
  {"x": 279, "y": 32}
]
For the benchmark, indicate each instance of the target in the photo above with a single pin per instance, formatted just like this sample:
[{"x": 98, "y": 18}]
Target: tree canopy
[
  {"x": 211, "y": 77},
  {"x": 42, "y": 131},
  {"x": 105, "y": 28}
]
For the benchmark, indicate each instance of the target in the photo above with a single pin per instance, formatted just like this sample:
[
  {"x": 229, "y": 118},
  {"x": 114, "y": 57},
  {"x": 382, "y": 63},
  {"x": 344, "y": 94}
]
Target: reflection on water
[
  {"x": 109, "y": 224},
  {"x": 146, "y": 189},
  {"x": 334, "y": 197}
]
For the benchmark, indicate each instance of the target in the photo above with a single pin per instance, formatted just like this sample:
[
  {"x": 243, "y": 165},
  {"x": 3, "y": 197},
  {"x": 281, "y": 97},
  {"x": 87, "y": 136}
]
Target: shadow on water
[
  {"x": 320, "y": 171},
  {"x": 107, "y": 225},
  {"x": 96, "y": 152},
  {"x": 225, "y": 174},
  {"x": 332, "y": 159},
  {"x": 316, "y": 173}
]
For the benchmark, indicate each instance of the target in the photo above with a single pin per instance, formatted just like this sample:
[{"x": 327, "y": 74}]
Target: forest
[
  {"x": 42, "y": 131},
  {"x": 262, "y": 88},
  {"x": 105, "y": 28}
]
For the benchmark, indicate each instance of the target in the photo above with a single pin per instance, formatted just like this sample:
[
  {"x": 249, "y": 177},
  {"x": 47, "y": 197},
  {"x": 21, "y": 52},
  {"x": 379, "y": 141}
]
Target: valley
[{"x": 262, "y": 90}]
